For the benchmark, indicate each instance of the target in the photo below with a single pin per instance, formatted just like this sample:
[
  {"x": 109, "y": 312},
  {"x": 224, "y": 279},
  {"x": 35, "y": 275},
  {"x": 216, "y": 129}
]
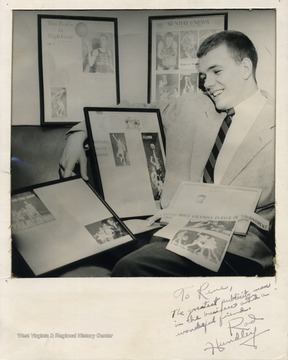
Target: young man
[{"x": 227, "y": 65}]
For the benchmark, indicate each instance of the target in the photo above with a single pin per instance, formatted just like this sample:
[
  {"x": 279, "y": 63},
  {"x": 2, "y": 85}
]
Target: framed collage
[
  {"x": 173, "y": 45},
  {"x": 128, "y": 151}
]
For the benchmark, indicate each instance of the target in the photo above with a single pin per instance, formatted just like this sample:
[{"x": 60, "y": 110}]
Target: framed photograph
[
  {"x": 52, "y": 229},
  {"x": 78, "y": 66},
  {"x": 128, "y": 151},
  {"x": 173, "y": 45}
]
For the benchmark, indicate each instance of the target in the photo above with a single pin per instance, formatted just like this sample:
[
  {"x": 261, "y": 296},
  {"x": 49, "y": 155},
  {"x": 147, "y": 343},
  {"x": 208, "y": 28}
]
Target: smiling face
[{"x": 227, "y": 82}]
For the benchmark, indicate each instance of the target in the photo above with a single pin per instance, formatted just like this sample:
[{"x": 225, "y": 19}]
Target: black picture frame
[
  {"x": 42, "y": 220},
  {"x": 67, "y": 80},
  {"x": 172, "y": 47},
  {"x": 131, "y": 186}
]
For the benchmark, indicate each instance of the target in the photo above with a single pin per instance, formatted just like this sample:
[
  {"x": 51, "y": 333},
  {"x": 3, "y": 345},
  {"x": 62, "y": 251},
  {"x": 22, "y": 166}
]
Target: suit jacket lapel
[{"x": 260, "y": 134}]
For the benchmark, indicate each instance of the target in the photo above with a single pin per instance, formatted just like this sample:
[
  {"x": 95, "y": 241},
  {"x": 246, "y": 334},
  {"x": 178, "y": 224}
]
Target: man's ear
[{"x": 247, "y": 68}]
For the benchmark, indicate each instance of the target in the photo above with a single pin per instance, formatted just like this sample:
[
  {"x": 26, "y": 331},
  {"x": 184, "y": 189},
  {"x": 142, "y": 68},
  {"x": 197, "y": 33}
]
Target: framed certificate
[
  {"x": 217, "y": 201},
  {"x": 62, "y": 222},
  {"x": 78, "y": 66},
  {"x": 128, "y": 151},
  {"x": 173, "y": 45}
]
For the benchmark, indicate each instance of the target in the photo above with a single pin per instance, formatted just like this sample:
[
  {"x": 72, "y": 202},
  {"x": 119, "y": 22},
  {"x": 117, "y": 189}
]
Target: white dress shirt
[{"x": 245, "y": 115}]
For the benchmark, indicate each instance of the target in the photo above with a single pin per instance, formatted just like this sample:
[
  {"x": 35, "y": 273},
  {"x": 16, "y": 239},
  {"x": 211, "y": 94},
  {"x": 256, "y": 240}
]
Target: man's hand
[{"x": 74, "y": 153}]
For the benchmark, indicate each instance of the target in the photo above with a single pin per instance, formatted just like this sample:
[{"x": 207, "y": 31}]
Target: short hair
[{"x": 238, "y": 44}]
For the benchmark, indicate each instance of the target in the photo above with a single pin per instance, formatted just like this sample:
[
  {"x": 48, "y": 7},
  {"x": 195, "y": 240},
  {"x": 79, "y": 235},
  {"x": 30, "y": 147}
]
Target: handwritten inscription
[{"x": 208, "y": 308}]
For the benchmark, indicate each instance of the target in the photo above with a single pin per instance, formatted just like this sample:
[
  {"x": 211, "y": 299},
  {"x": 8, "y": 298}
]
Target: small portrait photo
[
  {"x": 188, "y": 44},
  {"x": 120, "y": 151},
  {"x": 167, "y": 56},
  {"x": 106, "y": 230},
  {"x": 205, "y": 246},
  {"x": 155, "y": 162},
  {"x": 28, "y": 211},
  {"x": 97, "y": 50},
  {"x": 188, "y": 83},
  {"x": 167, "y": 86},
  {"x": 59, "y": 102}
]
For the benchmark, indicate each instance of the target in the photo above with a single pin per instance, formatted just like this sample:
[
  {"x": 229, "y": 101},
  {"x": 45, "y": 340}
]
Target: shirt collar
[{"x": 251, "y": 105}]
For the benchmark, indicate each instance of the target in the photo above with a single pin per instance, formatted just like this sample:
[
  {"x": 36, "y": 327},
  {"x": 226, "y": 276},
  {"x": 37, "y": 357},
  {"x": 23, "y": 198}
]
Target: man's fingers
[
  {"x": 67, "y": 169},
  {"x": 73, "y": 154},
  {"x": 67, "y": 172},
  {"x": 61, "y": 170},
  {"x": 83, "y": 166}
]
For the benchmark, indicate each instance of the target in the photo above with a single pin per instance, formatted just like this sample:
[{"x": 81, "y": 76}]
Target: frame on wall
[
  {"x": 128, "y": 154},
  {"x": 172, "y": 53},
  {"x": 78, "y": 66}
]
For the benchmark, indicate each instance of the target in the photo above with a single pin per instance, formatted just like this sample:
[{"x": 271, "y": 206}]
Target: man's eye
[{"x": 217, "y": 71}]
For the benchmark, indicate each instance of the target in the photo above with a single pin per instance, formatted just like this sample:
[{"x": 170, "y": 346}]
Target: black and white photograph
[
  {"x": 173, "y": 44},
  {"x": 120, "y": 150},
  {"x": 71, "y": 48},
  {"x": 127, "y": 158},
  {"x": 28, "y": 211},
  {"x": 167, "y": 51},
  {"x": 188, "y": 83},
  {"x": 225, "y": 227},
  {"x": 51, "y": 229},
  {"x": 97, "y": 52},
  {"x": 155, "y": 162},
  {"x": 59, "y": 103},
  {"x": 106, "y": 230},
  {"x": 143, "y": 180},
  {"x": 167, "y": 86},
  {"x": 189, "y": 44},
  {"x": 204, "y": 249}
]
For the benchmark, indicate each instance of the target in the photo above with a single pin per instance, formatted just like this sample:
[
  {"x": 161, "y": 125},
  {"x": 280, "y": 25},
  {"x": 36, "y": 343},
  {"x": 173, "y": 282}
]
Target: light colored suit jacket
[{"x": 191, "y": 126}]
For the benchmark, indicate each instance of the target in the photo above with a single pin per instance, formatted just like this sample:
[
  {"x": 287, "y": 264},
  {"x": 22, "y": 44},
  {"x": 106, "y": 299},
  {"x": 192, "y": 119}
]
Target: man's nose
[{"x": 209, "y": 81}]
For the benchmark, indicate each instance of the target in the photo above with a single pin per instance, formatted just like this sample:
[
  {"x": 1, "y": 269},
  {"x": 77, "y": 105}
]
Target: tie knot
[{"x": 231, "y": 112}]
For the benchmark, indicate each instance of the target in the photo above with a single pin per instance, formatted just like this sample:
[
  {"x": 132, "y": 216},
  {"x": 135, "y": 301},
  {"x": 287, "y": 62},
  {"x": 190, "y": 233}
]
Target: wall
[{"x": 259, "y": 25}]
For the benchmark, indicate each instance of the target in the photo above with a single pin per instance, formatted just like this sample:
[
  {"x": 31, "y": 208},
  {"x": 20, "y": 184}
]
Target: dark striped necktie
[{"x": 208, "y": 176}]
